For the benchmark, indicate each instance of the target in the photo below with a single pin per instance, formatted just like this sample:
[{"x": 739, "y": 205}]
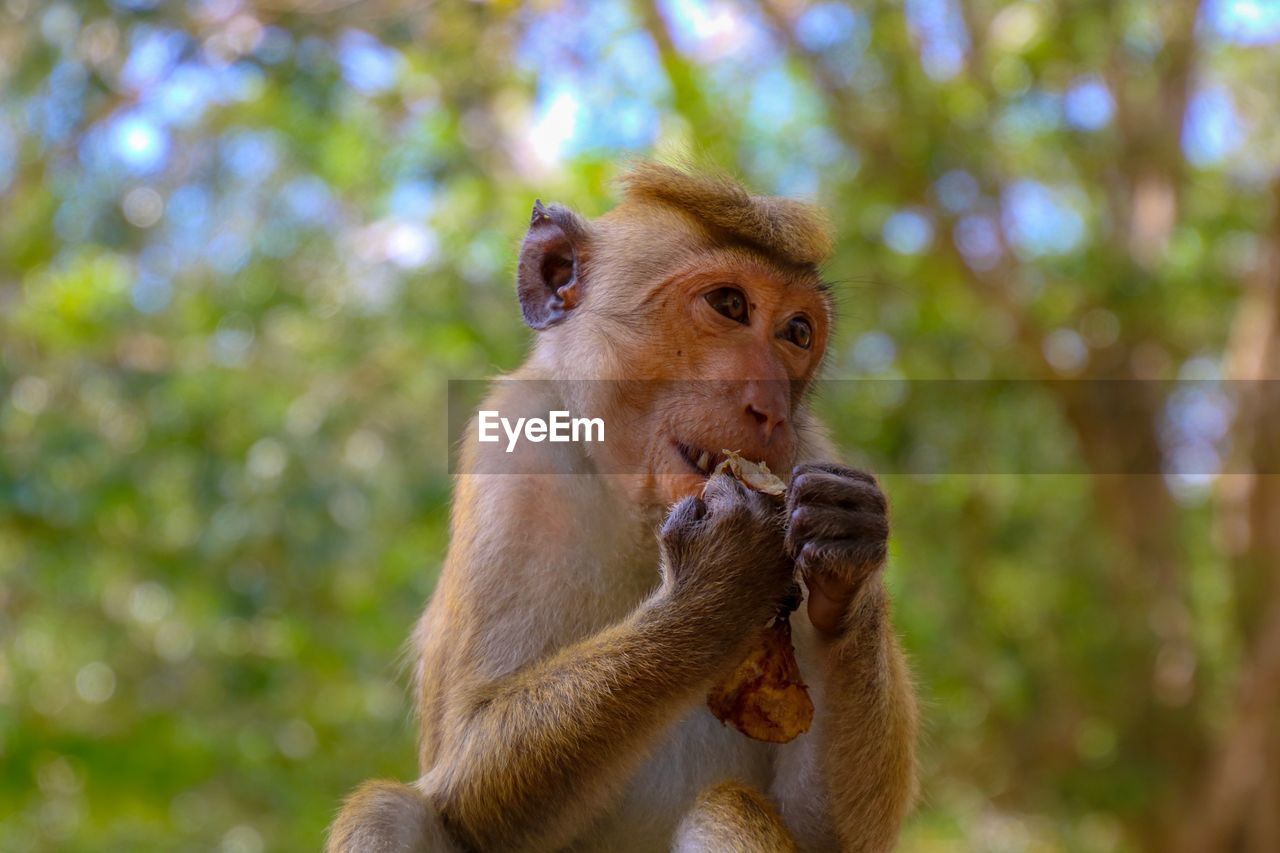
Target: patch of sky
[
  {"x": 555, "y": 41},
  {"x": 228, "y": 251},
  {"x": 978, "y": 240},
  {"x": 412, "y": 199},
  {"x": 708, "y": 30},
  {"x": 367, "y": 64},
  {"x": 944, "y": 42},
  {"x": 1212, "y": 128},
  {"x": 153, "y": 54},
  {"x": 840, "y": 36},
  {"x": 250, "y": 155},
  {"x": 874, "y": 352},
  {"x": 157, "y": 260},
  {"x": 8, "y": 152},
  {"x": 823, "y": 147},
  {"x": 131, "y": 139},
  {"x": 309, "y": 200},
  {"x": 601, "y": 118},
  {"x": 776, "y": 100},
  {"x": 908, "y": 232},
  {"x": 631, "y": 59},
  {"x": 151, "y": 295},
  {"x": 56, "y": 112},
  {"x": 1195, "y": 422},
  {"x": 183, "y": 96},
  {"x": 187, "y": 217},
  {"x": 613, "y": 107},
  {"x": 1246, "y": 22},
  {"x": 1088, "y": 104},
  {"x": 545, "y": 38},
  {"x": 1041, "y": 220},
  {"x": 794, "y": 177},
  {"x": 829, "y": 25},
  {"x": 555, "y": 122}
]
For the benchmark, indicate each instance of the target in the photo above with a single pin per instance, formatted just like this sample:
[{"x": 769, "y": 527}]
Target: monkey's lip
[{"x": 703, "y": 462}]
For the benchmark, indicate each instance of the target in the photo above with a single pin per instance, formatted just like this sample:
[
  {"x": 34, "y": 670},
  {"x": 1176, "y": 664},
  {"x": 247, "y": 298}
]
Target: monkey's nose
[
  {"x": 766, "y": 404},
  {"x": 765, "y": 421}
]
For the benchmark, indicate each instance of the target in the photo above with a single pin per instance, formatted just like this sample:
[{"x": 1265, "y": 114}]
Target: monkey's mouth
[{"x": 701, "y": 461}]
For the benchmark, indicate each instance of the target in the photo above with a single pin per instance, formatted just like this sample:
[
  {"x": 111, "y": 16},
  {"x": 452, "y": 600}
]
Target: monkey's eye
[
  {"x": 799, "y": 332},
  {"x": 730, "y": 302}
]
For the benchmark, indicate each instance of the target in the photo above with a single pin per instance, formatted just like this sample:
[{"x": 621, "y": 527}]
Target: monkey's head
[{"x": 701, "y": 308}]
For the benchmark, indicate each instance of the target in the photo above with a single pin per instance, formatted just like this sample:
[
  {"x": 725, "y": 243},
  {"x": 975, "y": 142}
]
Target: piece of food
[
  {"x": 753, "y": 475},
  {"x": 764, "y": 696}
]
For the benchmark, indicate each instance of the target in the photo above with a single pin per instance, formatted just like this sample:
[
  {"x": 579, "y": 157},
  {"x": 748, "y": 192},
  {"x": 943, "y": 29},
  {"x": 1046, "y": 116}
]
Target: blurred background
[{"x": 244, "y": 246}]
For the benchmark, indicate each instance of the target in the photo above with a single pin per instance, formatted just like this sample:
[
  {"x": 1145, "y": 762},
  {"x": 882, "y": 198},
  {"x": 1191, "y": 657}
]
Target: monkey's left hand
[{"x": 838, "y": 534}]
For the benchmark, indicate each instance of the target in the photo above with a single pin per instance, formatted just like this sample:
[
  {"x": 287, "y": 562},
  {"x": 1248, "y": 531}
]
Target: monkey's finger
[
  {"x": 841, "y": 471},
  {"x": 823, "y": 487},
  {"x": 809, "y": 522},
  {"x": 850, "y": 559},
  {"x": 683, "y": 517},
  {"x": 723, "y": 494},
  {"x": 818, "y": 486}
]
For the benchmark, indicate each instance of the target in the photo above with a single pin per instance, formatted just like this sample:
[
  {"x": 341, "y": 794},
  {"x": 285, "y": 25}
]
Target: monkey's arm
[
  {"x": 528, "y": 759},
  {"x": 853, "y": 777}
]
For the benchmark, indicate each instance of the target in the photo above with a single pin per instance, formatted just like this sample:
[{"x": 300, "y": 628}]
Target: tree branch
[{"x": 1240, "y": 766}]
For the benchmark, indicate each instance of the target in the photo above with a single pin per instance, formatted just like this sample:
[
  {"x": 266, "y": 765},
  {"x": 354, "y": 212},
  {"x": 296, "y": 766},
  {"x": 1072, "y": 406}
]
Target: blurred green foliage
[{"x": 243, "y": 247}]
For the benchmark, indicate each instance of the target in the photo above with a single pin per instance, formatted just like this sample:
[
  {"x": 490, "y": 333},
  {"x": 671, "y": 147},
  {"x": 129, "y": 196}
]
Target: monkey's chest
[{"x": 699, "y": 751}]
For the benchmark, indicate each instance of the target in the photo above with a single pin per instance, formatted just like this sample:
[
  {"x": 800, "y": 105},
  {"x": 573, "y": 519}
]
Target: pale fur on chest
[
  {"x": 698, "y": 751},
  {"x": 618, "y": 573}
]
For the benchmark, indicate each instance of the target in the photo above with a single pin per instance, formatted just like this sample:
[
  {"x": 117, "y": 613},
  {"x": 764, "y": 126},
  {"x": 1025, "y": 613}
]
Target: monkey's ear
[{"x": 548, "y": 279}]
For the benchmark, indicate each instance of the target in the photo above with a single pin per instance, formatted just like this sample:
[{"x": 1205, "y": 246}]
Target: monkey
[{"x": 592, "y": 593}]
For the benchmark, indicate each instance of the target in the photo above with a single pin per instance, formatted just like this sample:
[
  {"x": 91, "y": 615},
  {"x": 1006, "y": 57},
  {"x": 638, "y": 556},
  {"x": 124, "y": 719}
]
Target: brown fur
[
  {"x": 394, "y": 819},
  {"x": 566, "y": 653},
  {"x": 733, "y": 818},
  {"x": 783, "y": 228}
]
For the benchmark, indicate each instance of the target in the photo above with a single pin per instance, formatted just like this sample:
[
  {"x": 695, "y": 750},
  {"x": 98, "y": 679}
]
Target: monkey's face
[
  {"x": 702, "y": 308},
  {"x": 737, "y": 344}
]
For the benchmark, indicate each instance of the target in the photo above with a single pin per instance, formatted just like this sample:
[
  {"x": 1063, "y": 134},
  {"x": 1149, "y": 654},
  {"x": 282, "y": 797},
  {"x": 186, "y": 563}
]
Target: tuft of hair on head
[{"x": 794, "y": 231}]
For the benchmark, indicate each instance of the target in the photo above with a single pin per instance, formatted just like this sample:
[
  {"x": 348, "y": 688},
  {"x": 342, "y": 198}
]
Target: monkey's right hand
[{"x": 723, "y": 556}]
